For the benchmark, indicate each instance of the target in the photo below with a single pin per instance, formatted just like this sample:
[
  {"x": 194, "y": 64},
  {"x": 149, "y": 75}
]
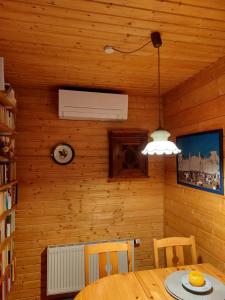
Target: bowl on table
[{"x": 196, "y": 282}]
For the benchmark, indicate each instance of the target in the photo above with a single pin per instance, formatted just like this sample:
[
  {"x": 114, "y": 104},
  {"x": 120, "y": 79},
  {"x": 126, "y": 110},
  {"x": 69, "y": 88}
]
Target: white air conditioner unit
[
  {"x": 78, "y": 105},
  {"x": 2, "y": 77}
]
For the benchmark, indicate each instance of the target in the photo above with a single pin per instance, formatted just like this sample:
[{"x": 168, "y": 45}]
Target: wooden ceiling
[{"x": 52, "y": 43}]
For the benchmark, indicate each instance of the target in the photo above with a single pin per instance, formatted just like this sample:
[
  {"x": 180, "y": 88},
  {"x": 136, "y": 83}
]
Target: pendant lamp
[{"x": 160, "y": 143}]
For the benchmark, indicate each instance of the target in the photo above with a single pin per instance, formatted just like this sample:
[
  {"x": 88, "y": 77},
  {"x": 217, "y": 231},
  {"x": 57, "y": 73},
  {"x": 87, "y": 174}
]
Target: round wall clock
[{"x": 63, "y": 154}]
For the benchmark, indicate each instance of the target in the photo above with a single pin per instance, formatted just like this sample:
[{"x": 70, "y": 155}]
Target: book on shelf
[
  {"x": 4, "y": 259},
  {"x": 8, "y": 198},
  {"x": 7, "y": 117},
  {"x": 2, "y": 231},
  {"x": 2, "y": 203},
  {"x": 7, "y": 172},
  {"x": 13, "y": 270},
  {"x": 2, "y": 75},
  {"x": 8, "y": 273},
  {"x": 8, "y": 226},
  {"x": 13, "y": 221},
  {"x": 4, "y": 289},
  {"x": 7, "y": 257},
  {"x": 12, "y": 171}
]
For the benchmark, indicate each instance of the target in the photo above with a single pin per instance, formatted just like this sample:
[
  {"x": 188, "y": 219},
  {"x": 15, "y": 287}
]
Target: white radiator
[{"x": 66, "y": 267}]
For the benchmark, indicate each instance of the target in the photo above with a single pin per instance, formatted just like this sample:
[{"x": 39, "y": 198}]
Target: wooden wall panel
[
  {"x": 197, "y": 105},
  {"x": 77, "y": 203}
]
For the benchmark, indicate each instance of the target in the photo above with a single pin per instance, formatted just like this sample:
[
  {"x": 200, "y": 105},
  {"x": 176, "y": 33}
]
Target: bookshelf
[{"x": 8, "y": 193}]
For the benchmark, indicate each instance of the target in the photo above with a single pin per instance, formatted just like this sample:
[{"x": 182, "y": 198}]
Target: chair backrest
[
  {"x": 174, "y": 250},
  {"x": 107, "y": 261}
]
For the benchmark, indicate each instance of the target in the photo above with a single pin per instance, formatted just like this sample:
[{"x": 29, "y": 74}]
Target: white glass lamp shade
[{"x": 160, "y": 144}]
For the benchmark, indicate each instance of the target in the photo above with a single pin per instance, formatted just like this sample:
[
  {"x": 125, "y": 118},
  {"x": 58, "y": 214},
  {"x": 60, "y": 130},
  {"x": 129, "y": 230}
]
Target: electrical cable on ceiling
[{"x": 111, "y": 49}]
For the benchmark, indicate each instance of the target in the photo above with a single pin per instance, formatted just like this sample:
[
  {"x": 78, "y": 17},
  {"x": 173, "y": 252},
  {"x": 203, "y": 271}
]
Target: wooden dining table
[{"x": 140, "y": 285}]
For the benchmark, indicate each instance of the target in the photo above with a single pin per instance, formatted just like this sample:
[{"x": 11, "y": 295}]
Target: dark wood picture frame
[{"x": 125, "y": 157}]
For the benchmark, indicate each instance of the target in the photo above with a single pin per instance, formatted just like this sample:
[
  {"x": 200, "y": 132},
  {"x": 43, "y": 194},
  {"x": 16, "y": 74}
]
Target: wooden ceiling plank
[
  {"x": 104, "y": 61},
  {"x": 168, "y": 48},
  {"x": 44, "y": 32},
  {"x": 55, "y": 82},
  {"x": 140, "y": 64},
  {"x": 99, "y": 70},
  {"x": 38, "y": 82},
  {"x": 45, "y": 38},
  {"x": 182, "y": 53},
  {"x": 215, "y": 4},
  {"x": 68, "y": 8},
  {"x": 82, "y": 45},
  {"x": 120, "y": 74},
  {"x": 171, "y": 7},
  {"x": 103, "y": 22}
]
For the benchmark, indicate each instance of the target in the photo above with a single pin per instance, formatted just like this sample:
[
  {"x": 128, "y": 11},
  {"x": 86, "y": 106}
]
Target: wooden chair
[
  {"x": 109, "y": 265},
  {"x": 174, "y": 250}
]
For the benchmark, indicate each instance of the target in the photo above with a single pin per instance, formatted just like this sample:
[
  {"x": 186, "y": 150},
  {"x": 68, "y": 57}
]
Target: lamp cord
[
  {"x": 138, "y": 49},
  {"x": 133, "y": 51},
  {"x": 159, "y": 95}
]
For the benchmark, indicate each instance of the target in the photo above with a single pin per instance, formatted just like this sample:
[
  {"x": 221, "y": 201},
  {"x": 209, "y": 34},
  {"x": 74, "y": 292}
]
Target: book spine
[{"x": 7, "y": 117}]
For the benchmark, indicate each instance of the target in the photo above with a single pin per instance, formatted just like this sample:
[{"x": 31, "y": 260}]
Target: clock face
[{"x": 63, "y": 154}]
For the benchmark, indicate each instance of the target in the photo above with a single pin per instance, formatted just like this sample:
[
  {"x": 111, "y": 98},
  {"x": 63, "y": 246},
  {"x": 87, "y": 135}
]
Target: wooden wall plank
[
  {"x": 77, "y": 203},
  {"x": 200, "y": 107}
]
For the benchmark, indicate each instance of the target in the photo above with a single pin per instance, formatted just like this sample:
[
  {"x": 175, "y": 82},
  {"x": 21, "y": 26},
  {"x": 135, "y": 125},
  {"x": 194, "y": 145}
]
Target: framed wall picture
[
  {"x": 125, "y": 157},
  {"x": 200, "y": 164}
]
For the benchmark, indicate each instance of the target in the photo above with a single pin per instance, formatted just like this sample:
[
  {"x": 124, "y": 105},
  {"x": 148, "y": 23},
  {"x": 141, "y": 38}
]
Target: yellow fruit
[{"x": 196, "y": 278}]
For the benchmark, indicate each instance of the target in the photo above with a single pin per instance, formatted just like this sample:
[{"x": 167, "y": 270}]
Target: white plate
[
  {"x": 172, "y": 294},
  {"x": 196, "y": 289}
]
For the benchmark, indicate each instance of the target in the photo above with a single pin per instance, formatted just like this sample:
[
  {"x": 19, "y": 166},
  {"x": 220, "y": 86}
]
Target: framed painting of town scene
[{"x": 200, "y": 163}]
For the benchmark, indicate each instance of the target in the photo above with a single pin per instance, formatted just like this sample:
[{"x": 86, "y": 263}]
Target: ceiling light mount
[
  {"x": 156, "y": 39},
  {"x": 108, "y": 49}
]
